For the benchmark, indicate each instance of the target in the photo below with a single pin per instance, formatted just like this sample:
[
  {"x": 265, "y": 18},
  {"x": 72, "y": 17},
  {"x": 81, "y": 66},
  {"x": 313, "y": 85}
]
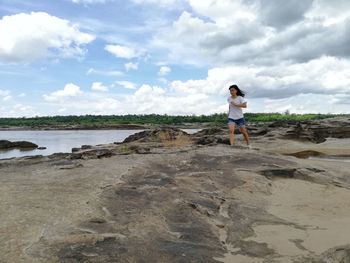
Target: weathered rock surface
[
  {"x": 318, "y": 131},
  {"x": 180, "y": 202},
  {"x": 5, "y": 144},
  {"x": 157, "y": 135},
  {"x": 313, "y": 131}
]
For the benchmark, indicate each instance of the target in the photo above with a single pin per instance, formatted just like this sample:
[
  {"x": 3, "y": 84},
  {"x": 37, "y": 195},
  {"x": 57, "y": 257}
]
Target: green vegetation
[
  {"x": 267, "y": 117},
  {"x": 106, "y": 120},
  {"x": 110, "y": 120}
]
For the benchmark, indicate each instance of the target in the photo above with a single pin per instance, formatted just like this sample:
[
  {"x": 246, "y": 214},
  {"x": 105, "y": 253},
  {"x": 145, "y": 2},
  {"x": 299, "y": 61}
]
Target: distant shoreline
[
  {"x": 102, "y": 127},
  {"x": 72, "y": 127}
]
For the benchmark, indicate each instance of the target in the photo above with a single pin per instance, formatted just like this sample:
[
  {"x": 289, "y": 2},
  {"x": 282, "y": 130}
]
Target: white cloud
[
  {"x": 123, "y": 51},
  {"x": 161, "y": 3},
  {"x": 146, "y": 91},
  {"x": 282, "y": 14},
  {"x": 163, "y": 80},
  {"x": 197, "y": 41},
  {"x": 194, "y": 86},
  {"x": 18, "y": 110},
  {"x": 98, "y": 105},
  {"x": 153, "y": 99},
  {"x": 127, "y": 84},
  {"x": 331, "y": 12},
  {"x": 226, "y": 11},
  {"x": 342, "y": 99},
  {"x": 300, "y": 88},
  {"x": 115, "y": 73},
  {"x": 144, "y": 100},
  {"x": 88, "y": 103},
  {"x": 256, "y": 32},
  {"x": 164, "y": 70},
  {"x": 98, "y": 86},
  {"x": 326, "y": 75},
  {"x": 69, "y": 91},
  {"x": 286, "y": 58},
  {"x": 6, "y": 98},
  {"x": 304, "y": 103},
  {"x": 131, "y": 66},
  {"x": 4, "y": 93},
  {"x": 88, "y": 1},
  {"x": 40, "y": 35}
]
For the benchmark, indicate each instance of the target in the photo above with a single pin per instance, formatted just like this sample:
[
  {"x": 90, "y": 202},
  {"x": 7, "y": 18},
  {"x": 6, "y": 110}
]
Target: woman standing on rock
[{"x": 235, "y": 116}]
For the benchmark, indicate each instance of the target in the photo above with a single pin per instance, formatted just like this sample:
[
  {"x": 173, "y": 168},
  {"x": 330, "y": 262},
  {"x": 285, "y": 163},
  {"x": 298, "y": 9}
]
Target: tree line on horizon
[{"x": 110, "y": 120}]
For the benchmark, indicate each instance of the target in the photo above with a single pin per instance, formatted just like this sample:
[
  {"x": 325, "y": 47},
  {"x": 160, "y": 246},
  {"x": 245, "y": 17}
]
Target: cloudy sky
[{"x": 172, "y": 57}]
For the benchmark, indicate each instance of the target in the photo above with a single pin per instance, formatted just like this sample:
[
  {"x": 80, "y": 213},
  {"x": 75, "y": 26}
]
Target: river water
[{"x": 63, "y": 140}]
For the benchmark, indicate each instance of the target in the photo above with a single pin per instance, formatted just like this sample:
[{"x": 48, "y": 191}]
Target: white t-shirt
[{"x": 235, "y": 112}]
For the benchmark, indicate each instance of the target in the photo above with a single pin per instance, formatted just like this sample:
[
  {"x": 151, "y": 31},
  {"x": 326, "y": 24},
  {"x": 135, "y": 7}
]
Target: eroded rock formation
[{"x": 5, "y": 144}]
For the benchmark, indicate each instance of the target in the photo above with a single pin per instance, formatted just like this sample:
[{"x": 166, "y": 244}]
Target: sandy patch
[
  {"x": 323, "y": 211},
  {"x": 229, "y": 258},
  {"x": 332, "y": 146}
]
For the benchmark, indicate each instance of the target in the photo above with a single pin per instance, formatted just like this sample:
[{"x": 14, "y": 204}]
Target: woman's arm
[{"x": 241, "y": 105}]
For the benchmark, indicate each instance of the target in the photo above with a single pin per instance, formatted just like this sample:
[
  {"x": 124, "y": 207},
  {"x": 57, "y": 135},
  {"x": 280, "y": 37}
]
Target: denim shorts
[{"x": 239, "y": 122}]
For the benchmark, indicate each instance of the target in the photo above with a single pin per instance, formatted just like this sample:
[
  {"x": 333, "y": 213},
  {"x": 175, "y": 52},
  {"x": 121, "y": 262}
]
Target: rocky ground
[{"x": 166, "y": 196}]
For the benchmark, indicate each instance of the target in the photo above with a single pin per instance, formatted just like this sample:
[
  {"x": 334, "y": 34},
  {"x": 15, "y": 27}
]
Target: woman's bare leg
[
  {"x": 245, "y": 134},
  {"x": 232, "y": 133}
]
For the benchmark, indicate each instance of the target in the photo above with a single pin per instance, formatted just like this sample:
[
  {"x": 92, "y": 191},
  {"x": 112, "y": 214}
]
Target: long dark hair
[{"x": 239, "y": 92}]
